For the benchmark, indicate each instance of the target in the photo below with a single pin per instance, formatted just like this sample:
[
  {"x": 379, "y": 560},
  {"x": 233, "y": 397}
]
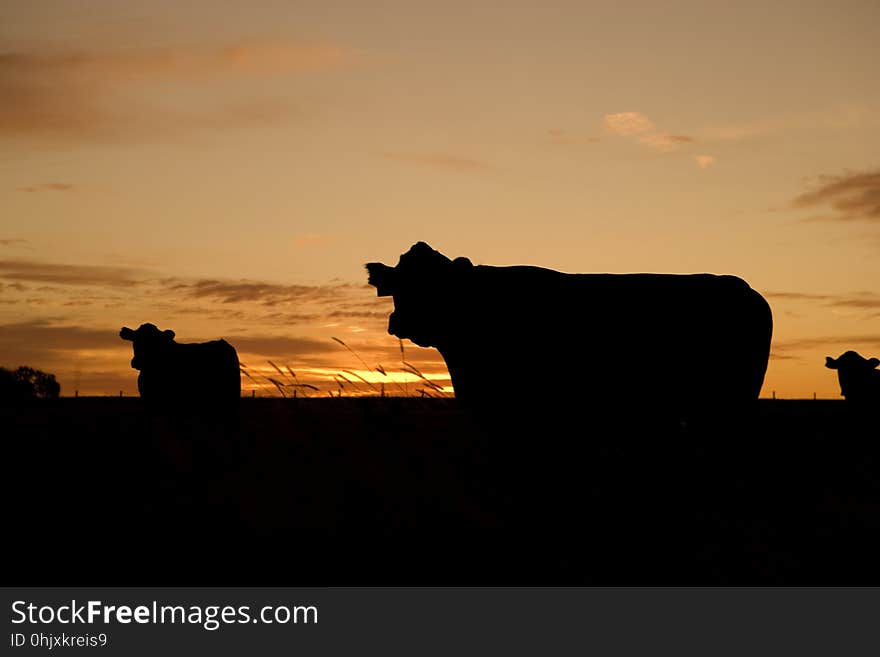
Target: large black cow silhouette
[
  {"x": 858, "y": 377},
  {"x": 522, "y": 337},
  {"x": 174, "y": 372}
]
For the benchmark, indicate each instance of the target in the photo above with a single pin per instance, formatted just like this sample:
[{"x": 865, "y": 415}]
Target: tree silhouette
[{"x": 27, "y": 383}]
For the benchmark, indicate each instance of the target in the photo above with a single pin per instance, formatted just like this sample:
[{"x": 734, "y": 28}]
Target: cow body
[
  {"x": 179, "y": 373},
  {"x": 520, "y": 337},
  {"x": 858, "y": 377}
]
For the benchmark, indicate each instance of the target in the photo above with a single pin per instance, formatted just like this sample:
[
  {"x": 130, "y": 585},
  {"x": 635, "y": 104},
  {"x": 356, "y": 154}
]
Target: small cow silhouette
[
  {"x": 171, "y": 371},
  {"x": 859, "y": 379}
]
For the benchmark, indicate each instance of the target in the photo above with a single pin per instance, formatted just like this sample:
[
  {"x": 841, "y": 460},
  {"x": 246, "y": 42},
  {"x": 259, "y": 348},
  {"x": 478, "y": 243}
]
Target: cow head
[
  {"x": 425, "y": 285},
  {"x": 150, "y": 344},
  {"x": 853, "y": 371}
]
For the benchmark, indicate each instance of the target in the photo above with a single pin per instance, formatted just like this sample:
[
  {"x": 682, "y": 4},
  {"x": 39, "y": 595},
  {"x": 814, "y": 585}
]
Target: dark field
[{"x": 410, "y": 491}]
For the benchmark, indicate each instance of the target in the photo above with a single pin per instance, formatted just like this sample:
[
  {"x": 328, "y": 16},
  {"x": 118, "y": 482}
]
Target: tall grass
[
  {"x": 288, "y": 386},
  {"x": 429, "y": 389},
  {"x": 345, "y": 382}
]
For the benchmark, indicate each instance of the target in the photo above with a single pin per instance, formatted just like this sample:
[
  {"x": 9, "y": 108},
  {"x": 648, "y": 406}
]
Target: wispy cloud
[
  {"x": 84, "y": 94},
  {"x": 14, "y": 242},
  {"x": 644, "y": 131},
  {"x": 867, "y": 302},
  {"x": 856, "y": 301},
  {"x": 47, "y": 187},
  {"x": 664, "y": 142},
  {"x": 777, "y": 356},
  {"x": 177, "y": 292},
  {"x": 281, "y": 346},
  {"x": 797, "y": 296},
  {"x": 704, "y": 161},
  {"x": 448, "y": 161},
  {"x": 248, "y": 58},
  {"x": 359, "y": 314},
  {"x": 266, "y": 293},
  {"x": 851, "y": 196},
  {"x": 290, "y": 318},
  {"x": 56, "y": 337},
  {"x": 628, "y": 123},
  {"x": 47, "y": 272},
  {"x": 839, "y": 342}
]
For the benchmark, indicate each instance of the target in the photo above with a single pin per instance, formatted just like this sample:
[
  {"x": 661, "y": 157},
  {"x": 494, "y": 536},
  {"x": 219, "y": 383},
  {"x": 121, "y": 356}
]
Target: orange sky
[{"x": 226, "y": 168}]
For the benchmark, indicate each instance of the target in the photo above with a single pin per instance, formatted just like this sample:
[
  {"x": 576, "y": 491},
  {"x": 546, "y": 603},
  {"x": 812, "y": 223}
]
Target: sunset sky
[{"x": 225, "y": 169}]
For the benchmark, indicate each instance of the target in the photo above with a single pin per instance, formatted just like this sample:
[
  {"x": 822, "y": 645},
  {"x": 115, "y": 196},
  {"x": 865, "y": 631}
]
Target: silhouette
[
  {"x": 858, "y": 377},
  {"x": 27, "y": 383},
  {"x": 175, "y": 372},
  {"x": 569, "y": 343}
]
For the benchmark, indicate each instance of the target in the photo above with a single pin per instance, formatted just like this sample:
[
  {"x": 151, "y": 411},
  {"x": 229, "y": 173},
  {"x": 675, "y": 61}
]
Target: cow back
[
  {"x": 193, "y": 372},
  {"x": 680, "y": 341}
]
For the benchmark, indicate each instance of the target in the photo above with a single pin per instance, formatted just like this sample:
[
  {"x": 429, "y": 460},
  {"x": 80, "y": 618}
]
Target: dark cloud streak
[
  {"x": 853, "y": 196},
  {"x": 12, "y": 242},
  {"x": 266, "y": 293},
  {"x": 64, "y": 274},
  {"x": 870, "y": 340},
  {"x": 81, "y": 94},
  {"x": 48, "y": 187},
  {"x": 797, "y": 296},
  {"x": 857, "y": 300},
  {"x": 44, "y": 336}
]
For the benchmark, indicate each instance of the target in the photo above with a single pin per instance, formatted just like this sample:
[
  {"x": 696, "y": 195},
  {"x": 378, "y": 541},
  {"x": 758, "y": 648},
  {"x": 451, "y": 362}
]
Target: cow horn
[{"x": 383, "y": 278}]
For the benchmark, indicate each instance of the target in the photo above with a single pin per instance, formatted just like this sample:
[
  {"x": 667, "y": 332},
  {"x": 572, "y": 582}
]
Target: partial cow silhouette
[
  {"x": 859, "y": 378},
  {"x": 524, "y": 340},
  {"x": 178, "y": 373}
]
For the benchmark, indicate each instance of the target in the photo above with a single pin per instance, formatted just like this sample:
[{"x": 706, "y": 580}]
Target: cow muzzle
[
  {"x": 383, "y": 278},
  {"x": 408, "y": 331},
  {"x": 394, "y": 327}
]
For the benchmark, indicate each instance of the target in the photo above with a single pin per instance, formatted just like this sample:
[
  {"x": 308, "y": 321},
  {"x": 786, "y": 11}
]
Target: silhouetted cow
[
  {"x": 171, "y": 371},
  {"x": 519, "y": 338},
  {"x": 859, "y": 379}
]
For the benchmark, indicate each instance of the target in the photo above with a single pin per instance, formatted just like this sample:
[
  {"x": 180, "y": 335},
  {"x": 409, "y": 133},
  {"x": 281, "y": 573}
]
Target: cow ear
[
  {"x": 830, "y": 363},
  {"x": 462, "y": 263},
  {"x": 126, "y": 334},
  {"x": 168, "y": 334},
  {"x": 873, "y": 362}
]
